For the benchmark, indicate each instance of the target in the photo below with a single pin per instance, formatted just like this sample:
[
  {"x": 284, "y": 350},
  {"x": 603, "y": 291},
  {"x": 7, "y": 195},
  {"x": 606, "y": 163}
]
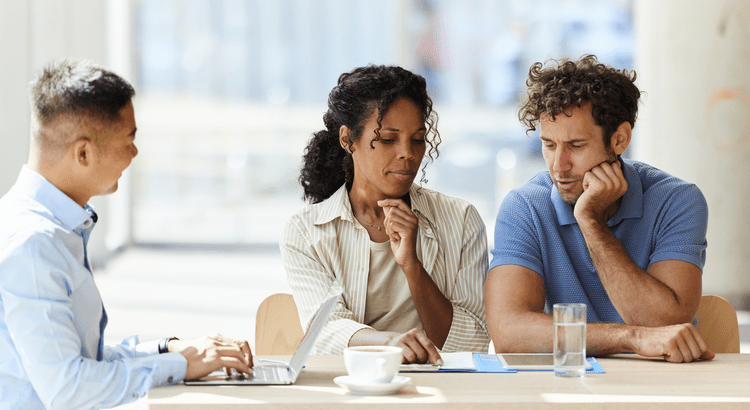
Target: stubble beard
[{"x": 572, "y": 199}]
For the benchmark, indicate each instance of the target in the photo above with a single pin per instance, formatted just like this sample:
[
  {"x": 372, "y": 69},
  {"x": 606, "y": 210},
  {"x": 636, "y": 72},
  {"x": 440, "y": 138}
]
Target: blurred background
[{"x": 229, "y": 91}]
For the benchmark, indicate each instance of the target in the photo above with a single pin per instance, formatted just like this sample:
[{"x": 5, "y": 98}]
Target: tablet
[{"x": 530, "y": 361}]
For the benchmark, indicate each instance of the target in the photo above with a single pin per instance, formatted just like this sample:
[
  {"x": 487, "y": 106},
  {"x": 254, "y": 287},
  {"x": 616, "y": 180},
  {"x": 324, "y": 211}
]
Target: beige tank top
[{"x": 389, "y": 305}]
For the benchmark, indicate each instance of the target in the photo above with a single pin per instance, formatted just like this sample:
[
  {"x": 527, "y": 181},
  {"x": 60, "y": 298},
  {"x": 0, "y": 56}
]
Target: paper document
[{"x": 457, "y": 361}]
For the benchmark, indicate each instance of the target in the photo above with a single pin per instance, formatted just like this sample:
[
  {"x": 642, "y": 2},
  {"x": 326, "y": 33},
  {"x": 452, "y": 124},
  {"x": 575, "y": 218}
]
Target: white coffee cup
[{"x": 372, "y": 364}]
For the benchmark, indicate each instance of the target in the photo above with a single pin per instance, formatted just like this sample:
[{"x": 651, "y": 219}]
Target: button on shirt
[
  {"x": 51, "y": 315},
  {"x": 660, "y": 218}
]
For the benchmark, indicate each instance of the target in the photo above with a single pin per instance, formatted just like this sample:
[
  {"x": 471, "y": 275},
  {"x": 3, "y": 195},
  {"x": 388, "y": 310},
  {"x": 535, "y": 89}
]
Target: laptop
[{"x": 271, "y": 372}]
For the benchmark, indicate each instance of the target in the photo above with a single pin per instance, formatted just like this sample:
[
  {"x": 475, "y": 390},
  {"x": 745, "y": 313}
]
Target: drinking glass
[{"x": 570, "y": 339}]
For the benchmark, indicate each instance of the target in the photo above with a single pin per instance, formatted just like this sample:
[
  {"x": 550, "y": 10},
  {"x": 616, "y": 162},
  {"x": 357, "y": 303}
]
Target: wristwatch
[{"x": 164, "y": 344}]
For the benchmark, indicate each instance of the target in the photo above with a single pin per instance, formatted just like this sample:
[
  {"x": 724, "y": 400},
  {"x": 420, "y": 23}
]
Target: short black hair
[{"x": 74, "y": 87}]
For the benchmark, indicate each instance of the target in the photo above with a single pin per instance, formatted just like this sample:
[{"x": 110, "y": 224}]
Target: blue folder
[{"x": 489, "y": 363}]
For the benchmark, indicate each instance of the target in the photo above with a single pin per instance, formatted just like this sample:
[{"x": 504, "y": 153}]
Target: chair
[
  {"x": 717, "y": 323},
  {"x": 277, "y": 327}
]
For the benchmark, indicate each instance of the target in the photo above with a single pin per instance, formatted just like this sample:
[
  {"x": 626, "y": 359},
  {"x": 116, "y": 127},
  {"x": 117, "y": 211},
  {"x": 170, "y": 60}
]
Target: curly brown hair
[
  {"x": 326, "y": 165},
  {"x": 561, "y": 84}
]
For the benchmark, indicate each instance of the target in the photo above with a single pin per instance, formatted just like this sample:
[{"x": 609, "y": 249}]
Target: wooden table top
[{"x": 629, "y": 382}]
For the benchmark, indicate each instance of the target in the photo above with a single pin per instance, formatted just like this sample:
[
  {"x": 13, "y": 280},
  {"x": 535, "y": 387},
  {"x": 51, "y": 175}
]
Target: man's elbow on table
[
  {"x": 510, "y": 334},
  {"x": 514, "y": 299}
]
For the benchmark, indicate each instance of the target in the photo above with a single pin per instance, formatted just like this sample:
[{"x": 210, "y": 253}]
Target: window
[{"x": 230, "y": 91}]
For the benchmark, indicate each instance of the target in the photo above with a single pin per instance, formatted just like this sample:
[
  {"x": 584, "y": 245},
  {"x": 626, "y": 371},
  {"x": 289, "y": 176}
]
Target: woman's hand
[
  {"x": 402, "y": 226},
  {"x": 418, "y": 348}
]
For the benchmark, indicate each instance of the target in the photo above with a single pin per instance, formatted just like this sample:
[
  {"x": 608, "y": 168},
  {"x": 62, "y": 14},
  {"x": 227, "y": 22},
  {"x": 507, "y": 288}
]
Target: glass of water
[{"x": 570, "y": 339}]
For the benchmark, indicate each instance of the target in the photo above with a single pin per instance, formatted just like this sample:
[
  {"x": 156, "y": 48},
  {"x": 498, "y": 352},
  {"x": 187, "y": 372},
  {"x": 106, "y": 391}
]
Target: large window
[{"x": 230, "y": 91}]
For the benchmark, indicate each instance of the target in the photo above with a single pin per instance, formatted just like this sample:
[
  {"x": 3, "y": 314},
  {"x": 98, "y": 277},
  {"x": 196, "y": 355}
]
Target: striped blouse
[{"x": 323, "y": 243}]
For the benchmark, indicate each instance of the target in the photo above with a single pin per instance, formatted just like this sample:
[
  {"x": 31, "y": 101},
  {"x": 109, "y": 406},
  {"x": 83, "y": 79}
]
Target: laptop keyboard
[{"x": 270, "y": 373}]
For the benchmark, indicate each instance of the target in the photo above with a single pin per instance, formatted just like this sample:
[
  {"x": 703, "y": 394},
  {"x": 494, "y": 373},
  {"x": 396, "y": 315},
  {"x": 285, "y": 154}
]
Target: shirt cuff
[
  {"x": 148, "y": 348},
  {"x": 510, "y": 260},
  {"x": 667, "y": 256},
  {"x": 336, "y": 336},
  {"x": 466, "y": 334},
  {"x": 171, "y": 369}
]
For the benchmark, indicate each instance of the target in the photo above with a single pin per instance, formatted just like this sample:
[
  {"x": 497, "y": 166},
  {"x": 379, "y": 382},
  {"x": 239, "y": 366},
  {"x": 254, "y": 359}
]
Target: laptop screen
[{"x": 316, "y": 326}]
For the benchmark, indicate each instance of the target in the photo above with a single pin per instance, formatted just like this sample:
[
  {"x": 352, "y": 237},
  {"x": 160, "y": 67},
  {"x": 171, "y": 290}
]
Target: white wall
[
  {"x": 692, "y": 60},
  {"x": 15, "y": 72},
  {"x": 33, "y": 33}
]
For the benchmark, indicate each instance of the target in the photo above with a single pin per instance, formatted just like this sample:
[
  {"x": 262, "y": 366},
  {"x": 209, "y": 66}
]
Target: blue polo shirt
[{"x": 661, "y": 218}]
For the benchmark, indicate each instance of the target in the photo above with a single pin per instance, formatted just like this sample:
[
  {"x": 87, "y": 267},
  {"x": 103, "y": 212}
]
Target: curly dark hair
[
  {"x": 563, "y": 83},
  {"x": 326, "y": 165}
]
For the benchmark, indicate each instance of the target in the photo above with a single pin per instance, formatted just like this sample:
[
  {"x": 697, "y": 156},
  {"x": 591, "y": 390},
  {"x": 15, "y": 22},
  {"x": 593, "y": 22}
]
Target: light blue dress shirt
[{"x": 51, "y": 315}]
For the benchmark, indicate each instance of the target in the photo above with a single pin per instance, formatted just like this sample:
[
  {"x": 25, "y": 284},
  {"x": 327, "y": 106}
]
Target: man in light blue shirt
[
  {"x": 624, "y": 238},
  {"x": 52, "y": 318}
]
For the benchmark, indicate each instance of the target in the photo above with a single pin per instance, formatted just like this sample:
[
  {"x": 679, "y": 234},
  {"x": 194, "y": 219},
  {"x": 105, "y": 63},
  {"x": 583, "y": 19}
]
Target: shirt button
[
  {"x": 170, "y": 379},
  {"x": 429, "y": 230},
  {"x": 87, "y": 224},
  {"x": 135, "y": 395}
]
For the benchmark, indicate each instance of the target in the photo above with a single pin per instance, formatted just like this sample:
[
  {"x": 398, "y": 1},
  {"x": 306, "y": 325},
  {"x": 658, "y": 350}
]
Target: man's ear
[
  {"x": 82, "y": 150},
  {"x": 344, "y": 135},
  {"x": 621, "y": 138}
]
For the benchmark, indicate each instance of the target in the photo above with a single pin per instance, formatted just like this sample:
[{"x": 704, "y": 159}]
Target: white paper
[{"x": 458, "y": 361}]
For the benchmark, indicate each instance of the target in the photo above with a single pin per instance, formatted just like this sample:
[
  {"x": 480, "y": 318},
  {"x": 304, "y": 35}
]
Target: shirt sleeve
[
  {"x": 681, "y": 229},
  {"x": 310, "y": 282},
  {"x": 131, "y": 347},
  {"x": 35, "y": 289},
  {"x": 468, "y": 332},
  {"x": 516, "y": 239}
]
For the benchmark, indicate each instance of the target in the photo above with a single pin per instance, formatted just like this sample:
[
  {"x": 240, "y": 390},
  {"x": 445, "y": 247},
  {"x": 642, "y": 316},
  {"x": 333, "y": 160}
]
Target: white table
[{"x": 630, "y": 382}]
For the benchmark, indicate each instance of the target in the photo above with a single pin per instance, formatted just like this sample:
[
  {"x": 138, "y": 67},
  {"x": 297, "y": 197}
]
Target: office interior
[{"x": 229, "y": 91}]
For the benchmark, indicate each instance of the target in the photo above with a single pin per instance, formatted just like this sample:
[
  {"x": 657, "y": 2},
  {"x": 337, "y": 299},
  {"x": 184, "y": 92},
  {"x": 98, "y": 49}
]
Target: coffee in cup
[{"x": 372, "y": 364}]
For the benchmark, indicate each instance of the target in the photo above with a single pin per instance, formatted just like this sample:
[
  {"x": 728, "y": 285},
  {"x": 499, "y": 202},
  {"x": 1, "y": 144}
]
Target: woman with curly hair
[{"x": 411, "y": 261}]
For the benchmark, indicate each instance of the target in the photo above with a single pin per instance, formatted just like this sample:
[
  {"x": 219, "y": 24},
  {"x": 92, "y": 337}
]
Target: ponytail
[
  {"x": 324, "y": 169},
  {"x": 326, "y": 165}
]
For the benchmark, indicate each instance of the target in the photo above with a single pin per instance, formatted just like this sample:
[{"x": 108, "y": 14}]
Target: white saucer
[{"x": 355, "y": 387}]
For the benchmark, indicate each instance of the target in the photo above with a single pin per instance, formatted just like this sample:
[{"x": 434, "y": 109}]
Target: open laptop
[{"x": 279, "y": 372}]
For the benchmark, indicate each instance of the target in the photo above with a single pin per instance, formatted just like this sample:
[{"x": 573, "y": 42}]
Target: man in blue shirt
[
  {"x": 52, "y": 318},
  {"x": 625, "y": 238}
]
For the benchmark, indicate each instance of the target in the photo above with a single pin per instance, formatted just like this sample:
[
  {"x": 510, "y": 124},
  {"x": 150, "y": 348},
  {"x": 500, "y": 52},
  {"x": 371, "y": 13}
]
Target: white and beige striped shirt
[{"x": 322, "y": 244}]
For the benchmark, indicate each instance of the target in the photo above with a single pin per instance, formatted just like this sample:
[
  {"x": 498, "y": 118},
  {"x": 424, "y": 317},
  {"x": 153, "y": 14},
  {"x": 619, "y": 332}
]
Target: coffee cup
[{"x": 372, "y": 364}]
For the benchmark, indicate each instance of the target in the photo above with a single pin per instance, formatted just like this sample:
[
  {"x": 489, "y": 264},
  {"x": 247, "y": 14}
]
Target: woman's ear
[
  {"x": 344, "y": 135},
  {"x": 621, "y": 138}
]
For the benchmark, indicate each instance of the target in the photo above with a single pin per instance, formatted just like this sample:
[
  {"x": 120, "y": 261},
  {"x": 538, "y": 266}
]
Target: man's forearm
[
  {"x": 531, "y": 332},
  {"x": 521, "y": 332},
  {"x": 639, "y": 298}
]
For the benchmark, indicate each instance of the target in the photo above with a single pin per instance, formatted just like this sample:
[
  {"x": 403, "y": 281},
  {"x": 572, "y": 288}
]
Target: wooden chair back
[
  {"x": 717, "y": 323},
  {"x": 277, "y": 327}
]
